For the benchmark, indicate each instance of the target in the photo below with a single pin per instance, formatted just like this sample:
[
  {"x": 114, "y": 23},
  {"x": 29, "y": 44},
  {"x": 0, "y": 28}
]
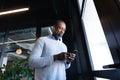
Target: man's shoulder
[{"x": 43, "y": 38}]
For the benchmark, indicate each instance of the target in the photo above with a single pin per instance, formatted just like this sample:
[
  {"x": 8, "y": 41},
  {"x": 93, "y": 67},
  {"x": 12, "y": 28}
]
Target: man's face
[{"x": 60, "y": 29}]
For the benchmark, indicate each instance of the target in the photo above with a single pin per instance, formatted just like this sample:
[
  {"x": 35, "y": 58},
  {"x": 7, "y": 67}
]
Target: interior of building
[{"x": 93, "y": 33}]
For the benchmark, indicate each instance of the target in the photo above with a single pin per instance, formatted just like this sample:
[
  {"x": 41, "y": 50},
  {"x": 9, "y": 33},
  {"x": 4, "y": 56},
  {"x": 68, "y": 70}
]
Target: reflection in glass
[{"x": 20, "y": 42}]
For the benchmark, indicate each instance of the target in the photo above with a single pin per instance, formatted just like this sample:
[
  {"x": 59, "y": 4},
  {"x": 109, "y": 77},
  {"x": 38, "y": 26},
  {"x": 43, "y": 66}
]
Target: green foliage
[{"x": 16, "y": 70}]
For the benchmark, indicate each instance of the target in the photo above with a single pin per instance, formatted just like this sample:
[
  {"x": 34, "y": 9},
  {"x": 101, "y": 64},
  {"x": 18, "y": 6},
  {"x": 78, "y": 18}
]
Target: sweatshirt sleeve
[
  {"x": 67, "y": 65},
  {"x": 35, "y": 59}
]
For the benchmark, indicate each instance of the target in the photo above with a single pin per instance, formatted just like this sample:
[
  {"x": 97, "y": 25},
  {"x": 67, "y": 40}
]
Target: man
[{"x": 49, "y": 57}]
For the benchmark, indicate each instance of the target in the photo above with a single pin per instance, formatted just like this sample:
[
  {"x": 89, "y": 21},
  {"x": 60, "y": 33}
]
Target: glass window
[
  {"x": 1, "y": 40},
  {"x": 46, "y": 31},
  {"x": 20, "y": 42},
  {"x": 98, "y": 48},
  {"x": 99, "y": 51}
]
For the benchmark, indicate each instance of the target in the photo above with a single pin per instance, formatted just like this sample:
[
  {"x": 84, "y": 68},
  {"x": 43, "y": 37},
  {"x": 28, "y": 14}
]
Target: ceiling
[{"x": 41, "y": 13}]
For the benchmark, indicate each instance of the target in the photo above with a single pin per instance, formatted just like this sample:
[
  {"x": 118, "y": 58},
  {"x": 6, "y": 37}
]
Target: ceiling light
[
  {"x": 17, "y": 41},
  {"x": 14, "y": 11},
  {"x": 19, "y": 51}
]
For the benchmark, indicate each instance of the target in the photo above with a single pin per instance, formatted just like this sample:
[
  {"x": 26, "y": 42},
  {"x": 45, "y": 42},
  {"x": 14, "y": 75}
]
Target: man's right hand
[{"x": 61, "y": 56}]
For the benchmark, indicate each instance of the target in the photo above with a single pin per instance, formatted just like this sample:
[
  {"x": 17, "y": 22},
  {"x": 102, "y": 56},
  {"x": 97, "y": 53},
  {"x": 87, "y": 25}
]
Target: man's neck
[{"x": 56, "y": 37}]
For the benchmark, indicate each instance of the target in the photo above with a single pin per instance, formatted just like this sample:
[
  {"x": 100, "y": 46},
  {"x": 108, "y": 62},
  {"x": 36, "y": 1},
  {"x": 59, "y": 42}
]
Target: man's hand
[
  {"x": 61, "y": 56},
  {"x": 70, "y": 57}
]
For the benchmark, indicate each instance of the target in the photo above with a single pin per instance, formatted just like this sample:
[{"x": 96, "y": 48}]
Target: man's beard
[{"x": 59, "y": 35}]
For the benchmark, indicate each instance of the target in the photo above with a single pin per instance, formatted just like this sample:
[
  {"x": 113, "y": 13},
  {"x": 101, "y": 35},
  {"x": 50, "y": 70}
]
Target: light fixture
[
  {"x": 17, "y": 41},
  {"x": 14, "y": 11},
  {"x": 19, "y": 51}
]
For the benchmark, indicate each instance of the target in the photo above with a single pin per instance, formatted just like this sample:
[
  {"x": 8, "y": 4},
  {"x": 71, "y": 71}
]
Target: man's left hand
[{"x": 70, "y": 57}]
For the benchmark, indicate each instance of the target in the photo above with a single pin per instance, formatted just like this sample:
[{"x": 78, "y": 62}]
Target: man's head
[{"x": 59, "y": 28}]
